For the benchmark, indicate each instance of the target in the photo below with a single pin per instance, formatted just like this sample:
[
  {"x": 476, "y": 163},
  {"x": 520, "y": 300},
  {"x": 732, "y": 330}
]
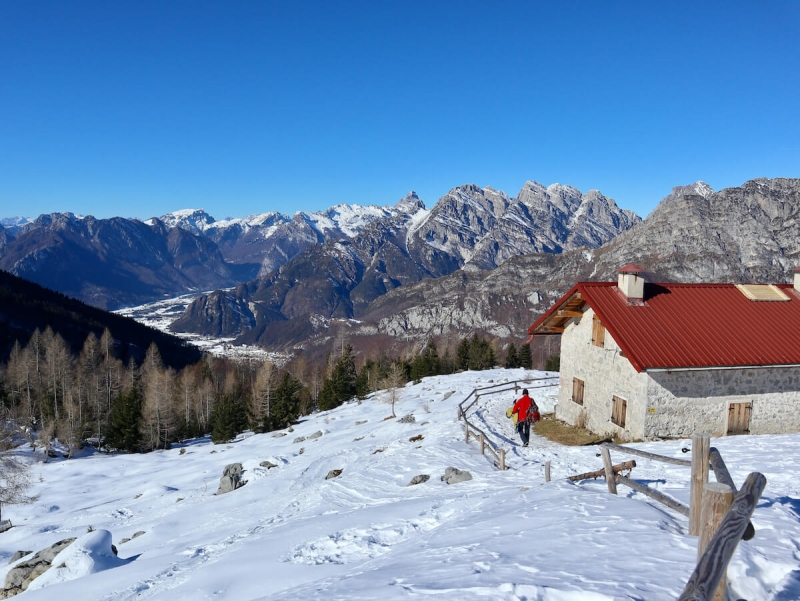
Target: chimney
[
  {"x": 797, "y": 279},
  {"x": 631, "y": 281}
]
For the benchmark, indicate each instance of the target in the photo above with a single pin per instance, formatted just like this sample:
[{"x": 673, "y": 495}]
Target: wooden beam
[
  {"x": 646, "y": 455},
  {"x": 701, "y": 443},
  {"x": 558, "y": 330},
  {"x": 628, "y": 465},
  {"x": 654, "y": 494},
  {"x": 569, "y": 314}
]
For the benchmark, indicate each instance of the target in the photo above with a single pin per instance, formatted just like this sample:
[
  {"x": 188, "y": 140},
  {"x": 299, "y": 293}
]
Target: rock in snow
[
  {"x": 231, "y": 478},
  {"x": 90, "y": 553},
  {"x": 453, "y": 475}
]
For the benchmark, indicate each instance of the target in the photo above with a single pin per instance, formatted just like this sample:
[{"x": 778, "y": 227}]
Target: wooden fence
[
  {"x": 717, "y": 513},
  {"x": 470, "y": 429}
]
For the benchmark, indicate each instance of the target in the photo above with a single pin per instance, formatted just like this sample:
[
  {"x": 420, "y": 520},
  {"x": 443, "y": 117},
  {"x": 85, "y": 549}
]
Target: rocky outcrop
[
  {"x": 22, "y": 574},
  {"x": 231, "y": 478},
  {"x": 333, "y": 474},
  {"x": 418, "y": 479}
]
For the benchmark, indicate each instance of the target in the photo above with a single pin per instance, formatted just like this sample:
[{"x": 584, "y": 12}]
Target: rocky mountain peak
[
  {"x": 410, "y": 203},
  {"x": 196, "y": 221}
]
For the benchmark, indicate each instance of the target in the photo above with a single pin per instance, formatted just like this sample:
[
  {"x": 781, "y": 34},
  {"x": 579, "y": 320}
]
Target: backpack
[{"x": 533, "y": 412}]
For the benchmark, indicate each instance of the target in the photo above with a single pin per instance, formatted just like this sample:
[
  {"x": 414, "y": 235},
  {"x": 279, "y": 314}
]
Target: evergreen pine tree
[
  {"x": 525, "y": 359},
  {"x": 341, "y": 386},
  {"x": 462, "y": 354},
  {"x": 286, "y": 403},
  {"x": 224, "y": 421},
  {"x": 512, "y": 360},
  {"x": 126, "y": 417}
]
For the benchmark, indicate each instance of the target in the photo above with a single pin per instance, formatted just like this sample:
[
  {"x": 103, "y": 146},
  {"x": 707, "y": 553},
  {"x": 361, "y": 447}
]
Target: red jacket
[{"x": 522, "y": 407}]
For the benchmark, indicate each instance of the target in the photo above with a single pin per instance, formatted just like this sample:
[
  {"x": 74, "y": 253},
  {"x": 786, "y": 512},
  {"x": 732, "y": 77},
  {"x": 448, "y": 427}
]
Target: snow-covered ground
[{"x": 291, "y": 534}]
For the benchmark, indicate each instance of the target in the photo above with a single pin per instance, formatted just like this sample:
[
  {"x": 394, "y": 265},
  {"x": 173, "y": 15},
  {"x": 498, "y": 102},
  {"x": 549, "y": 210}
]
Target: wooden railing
[
  {"x": 717, "y": 513},
  {"x": 470, "y": 429}
]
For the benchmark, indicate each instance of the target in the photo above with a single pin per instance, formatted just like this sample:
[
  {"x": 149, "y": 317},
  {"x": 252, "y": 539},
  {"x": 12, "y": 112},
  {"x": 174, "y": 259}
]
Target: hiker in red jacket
[{"x": 525, "y": 408}]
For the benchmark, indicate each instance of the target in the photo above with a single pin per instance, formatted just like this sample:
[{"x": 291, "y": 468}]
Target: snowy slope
[{"x": 291, "y": 534}]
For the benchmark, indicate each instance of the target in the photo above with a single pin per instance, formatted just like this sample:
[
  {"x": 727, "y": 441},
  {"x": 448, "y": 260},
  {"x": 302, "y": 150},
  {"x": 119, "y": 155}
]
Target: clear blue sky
[{"x": 140, "y": 108}]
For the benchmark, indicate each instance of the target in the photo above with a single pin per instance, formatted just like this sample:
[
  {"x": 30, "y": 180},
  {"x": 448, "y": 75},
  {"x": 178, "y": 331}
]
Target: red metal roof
[
  {"x": 693, "y": 325},
  {"x": 630, "y": 268}
]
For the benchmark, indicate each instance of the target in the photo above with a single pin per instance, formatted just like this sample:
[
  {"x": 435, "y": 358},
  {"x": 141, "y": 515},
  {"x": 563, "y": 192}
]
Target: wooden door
[{"x": 739, "y": 418}]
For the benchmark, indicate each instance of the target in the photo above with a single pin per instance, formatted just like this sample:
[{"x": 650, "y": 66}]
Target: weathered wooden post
[
  {"x": 466, "y": 429},
  {"x": 502, "y": 460},
  {"x": 609, "y": 470},
  {"x": 708, "y": 572},
  {"x": 717, "y": 499},
  {"x": 482, "y": 441},
  {"x": 547, "y": 471},
  {"x": 701, "y": 444}
]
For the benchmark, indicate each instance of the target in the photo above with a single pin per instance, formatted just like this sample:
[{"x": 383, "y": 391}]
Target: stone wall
[
  {"x": 605, "y": 373},
  {"x": 684, "y": 402}
]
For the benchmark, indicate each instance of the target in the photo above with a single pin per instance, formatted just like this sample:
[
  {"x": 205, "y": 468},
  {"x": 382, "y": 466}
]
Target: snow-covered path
[{"x": 289, "y": 533}]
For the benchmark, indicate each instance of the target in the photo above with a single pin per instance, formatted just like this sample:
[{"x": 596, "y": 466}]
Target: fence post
[
  {"x": 717, "y": 499},
  {"x": 502, "y": 460},
  {"x": 466, "y": 428},
  {"x": 458, "y": 412},
  {"x": 482, "y": 441},
  {"x": 547, "y": 471},
  {"x": 701, "y": 444},
  {"x": 609, "y": 470}
]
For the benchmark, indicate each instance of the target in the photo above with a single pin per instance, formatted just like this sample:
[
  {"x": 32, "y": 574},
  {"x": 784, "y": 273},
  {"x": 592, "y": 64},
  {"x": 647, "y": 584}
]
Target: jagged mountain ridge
[
  {"x": 748, "y": 234},
  {"x": 470, "y": 227}
]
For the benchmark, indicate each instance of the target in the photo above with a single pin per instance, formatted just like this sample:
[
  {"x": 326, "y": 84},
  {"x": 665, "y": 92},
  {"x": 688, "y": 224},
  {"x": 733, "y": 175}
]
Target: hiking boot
[{"x": 524, "y": 444}]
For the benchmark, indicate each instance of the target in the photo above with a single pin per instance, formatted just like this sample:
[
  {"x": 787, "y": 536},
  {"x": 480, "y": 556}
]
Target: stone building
[{"x": 647, "y": 361}]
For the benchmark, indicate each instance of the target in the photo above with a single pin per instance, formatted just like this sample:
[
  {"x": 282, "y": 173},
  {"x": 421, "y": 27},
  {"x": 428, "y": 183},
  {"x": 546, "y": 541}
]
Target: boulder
[
  {"x": 124, "y": 540},
  {"x": 453, "y": 475},
  {"x": 278, "y": 434},
  {"x": 231, "y": 478},
  {"x": 299, "y": 439},
  {"x": 21, "y": 575},
  {"x": 137, "y": 534},
  {"x": 407, "y": 419},
  {"x": 419, "y": 479},
  {"x": 361, "y": 422},
  {"x": 316, "y": 434},
  {"x": 268, "y": 464},
  {"x": 333, "y": 474},
  {"x": 5, "y": 525}
]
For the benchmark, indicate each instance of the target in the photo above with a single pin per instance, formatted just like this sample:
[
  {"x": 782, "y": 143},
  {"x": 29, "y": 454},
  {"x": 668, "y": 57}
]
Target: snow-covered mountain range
[
  {"x": 126, "y": 262},
  {"x": 290, "y": 533}
]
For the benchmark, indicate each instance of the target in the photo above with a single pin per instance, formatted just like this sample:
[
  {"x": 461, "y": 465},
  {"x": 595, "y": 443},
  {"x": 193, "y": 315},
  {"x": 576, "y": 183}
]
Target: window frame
[
  {"x": 619, "y": 411},
  {"x": 598, "y": 332},
  {"x": 578, "y": 385}
]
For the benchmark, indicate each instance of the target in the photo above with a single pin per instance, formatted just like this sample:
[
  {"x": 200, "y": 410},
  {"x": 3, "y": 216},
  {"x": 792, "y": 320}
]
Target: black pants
[{"x": 524, "y": 429}]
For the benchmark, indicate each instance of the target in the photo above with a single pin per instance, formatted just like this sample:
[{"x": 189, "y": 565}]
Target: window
[
  {"x": 618, "y": 409},
  {"x": 577, "y": 391},
  {"x": 598, "y": 332}
]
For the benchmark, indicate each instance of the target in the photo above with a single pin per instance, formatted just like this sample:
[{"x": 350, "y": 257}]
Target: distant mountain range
[
  {"x": 469, "y": 228},
  {"x": 478, "y": 261},
  {"x": 742, "y": 234},
  {"x": 118, "y": 262}
]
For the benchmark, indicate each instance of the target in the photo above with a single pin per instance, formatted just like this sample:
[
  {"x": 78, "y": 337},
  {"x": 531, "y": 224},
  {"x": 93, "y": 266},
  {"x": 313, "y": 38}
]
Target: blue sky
[{"x": 141, "y": 108}]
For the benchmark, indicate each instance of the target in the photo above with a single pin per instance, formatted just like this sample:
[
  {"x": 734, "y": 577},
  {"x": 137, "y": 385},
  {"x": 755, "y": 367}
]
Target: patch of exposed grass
[{"x": 561, "y": 432}]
